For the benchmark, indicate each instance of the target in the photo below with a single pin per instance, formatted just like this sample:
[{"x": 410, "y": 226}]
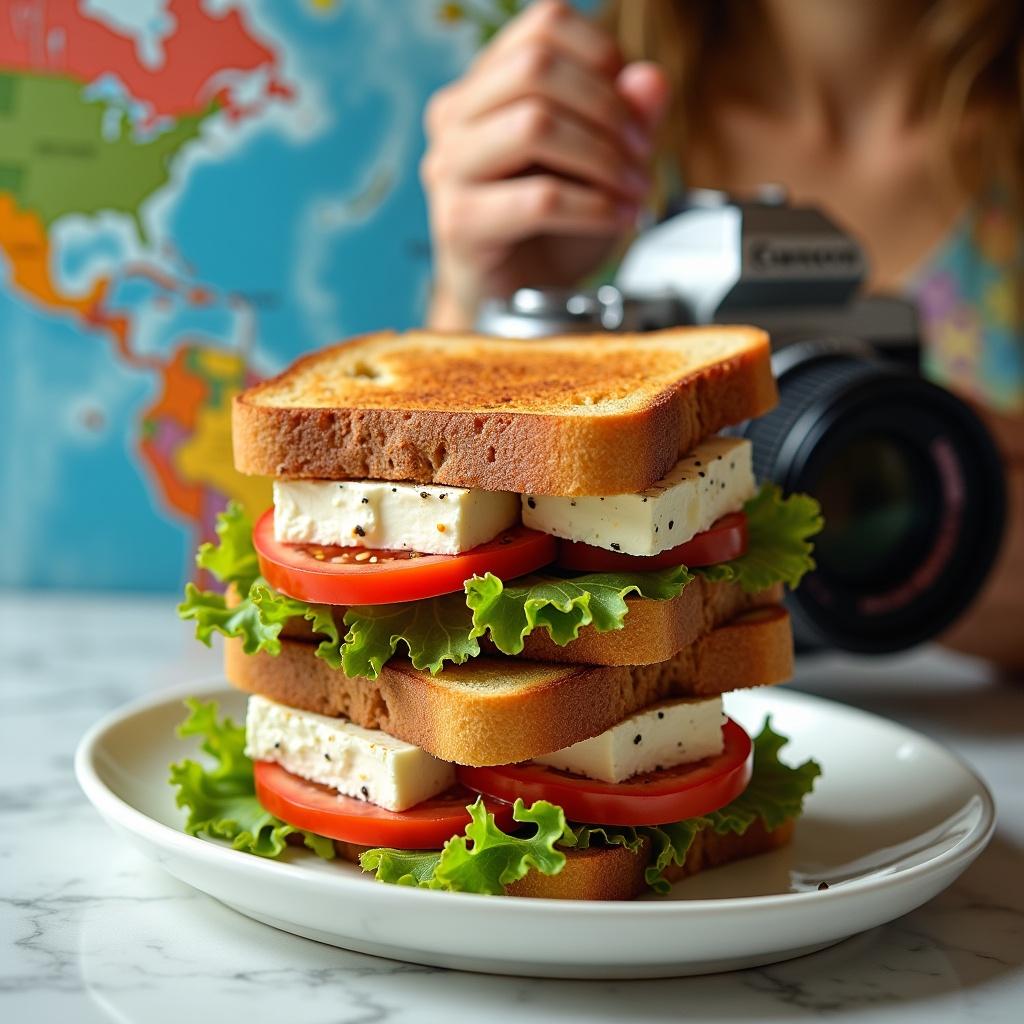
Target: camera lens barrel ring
[{"x": 912, "y": 491}]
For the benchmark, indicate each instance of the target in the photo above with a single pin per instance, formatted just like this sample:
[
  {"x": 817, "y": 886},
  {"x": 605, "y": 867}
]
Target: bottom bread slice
[
  {"x": 614, "y": 873},
  {"x": 502, "y": 710}
]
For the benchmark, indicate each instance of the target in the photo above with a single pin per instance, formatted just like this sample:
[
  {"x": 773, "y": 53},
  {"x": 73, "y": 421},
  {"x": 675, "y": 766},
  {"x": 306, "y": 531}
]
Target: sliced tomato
[
  {"x": 656, "y": 798},
  {"x": 336, "y": 575},
  {"x": 427, "y": 826},
  {"x": 723, "y": 541}
]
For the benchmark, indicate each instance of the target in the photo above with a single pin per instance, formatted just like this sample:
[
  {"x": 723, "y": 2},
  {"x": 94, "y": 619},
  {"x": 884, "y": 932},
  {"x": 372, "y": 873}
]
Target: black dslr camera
[{"x": 910, "y": 482}]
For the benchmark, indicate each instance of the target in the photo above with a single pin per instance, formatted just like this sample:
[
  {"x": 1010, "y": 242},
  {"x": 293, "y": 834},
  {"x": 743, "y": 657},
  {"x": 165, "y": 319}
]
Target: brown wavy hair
[{"x": 970, "y": 72}]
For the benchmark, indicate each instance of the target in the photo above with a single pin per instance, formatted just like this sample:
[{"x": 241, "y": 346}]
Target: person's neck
[{"x": 834, "y": 60}]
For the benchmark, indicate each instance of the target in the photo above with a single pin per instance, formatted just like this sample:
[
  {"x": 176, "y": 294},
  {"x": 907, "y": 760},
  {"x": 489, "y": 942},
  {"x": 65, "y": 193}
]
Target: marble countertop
[{"x": 90, "y": 931}]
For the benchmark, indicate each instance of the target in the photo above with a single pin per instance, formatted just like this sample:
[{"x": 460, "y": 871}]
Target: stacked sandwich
[{"x": 487, "y": 625}]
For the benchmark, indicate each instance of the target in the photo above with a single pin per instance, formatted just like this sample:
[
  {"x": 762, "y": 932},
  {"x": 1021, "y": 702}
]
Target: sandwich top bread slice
[
  {"x": 599, "y": 414},
  {"x": 491, "y": 615}
]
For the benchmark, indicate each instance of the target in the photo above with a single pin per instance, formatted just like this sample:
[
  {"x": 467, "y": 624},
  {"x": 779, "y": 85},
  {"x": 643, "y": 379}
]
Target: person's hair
[{"x": 969, "y": 56}]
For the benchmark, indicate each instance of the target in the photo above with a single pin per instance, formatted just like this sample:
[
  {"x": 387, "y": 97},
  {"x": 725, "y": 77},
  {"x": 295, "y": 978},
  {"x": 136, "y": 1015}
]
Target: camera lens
[{"x": 912, "y": 492}]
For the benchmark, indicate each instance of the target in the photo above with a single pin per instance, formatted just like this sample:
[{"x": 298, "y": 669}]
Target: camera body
[{"x": 910, "y": 482}]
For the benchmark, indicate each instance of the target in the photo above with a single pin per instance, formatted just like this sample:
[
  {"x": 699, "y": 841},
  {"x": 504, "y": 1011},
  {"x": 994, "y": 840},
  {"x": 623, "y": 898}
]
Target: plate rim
[{"x": 112, "y": 807}]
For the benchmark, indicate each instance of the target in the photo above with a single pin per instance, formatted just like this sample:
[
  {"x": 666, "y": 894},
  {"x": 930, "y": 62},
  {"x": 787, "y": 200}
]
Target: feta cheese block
[
  {"x": 661, "y": 736},
  {"x": 389, "y": 516},
  {"x": 715, "y": 478},
  {"x": 363, "y": 763}
]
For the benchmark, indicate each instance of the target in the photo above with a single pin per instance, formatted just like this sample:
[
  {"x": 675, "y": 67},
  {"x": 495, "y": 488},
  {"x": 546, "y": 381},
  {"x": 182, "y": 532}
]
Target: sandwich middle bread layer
[{"x": 496, "y": 710}]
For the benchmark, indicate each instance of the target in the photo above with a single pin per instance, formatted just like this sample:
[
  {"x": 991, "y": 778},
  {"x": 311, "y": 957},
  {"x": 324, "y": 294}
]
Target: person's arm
[{"x": 537, "y": 160}]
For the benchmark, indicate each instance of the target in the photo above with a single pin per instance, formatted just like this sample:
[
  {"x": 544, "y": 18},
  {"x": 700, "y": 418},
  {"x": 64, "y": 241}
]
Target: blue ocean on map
[{"x": 293, "y": 219}]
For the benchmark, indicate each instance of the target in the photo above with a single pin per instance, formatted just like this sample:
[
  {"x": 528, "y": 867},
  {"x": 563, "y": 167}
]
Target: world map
[{"x": 191, "y": 194}]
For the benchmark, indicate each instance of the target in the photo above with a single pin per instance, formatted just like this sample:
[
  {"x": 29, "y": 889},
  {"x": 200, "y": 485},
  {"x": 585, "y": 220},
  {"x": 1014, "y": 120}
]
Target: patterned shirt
[{"x": 970, "y": 297}]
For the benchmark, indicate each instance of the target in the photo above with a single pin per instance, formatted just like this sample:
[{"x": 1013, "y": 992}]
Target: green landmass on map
[{"x": 56, "y": 158}]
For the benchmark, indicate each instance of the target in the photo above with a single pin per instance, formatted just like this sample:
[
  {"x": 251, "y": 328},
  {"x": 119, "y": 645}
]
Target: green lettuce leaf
[
  {"x": 776, "y": 791},
  {"x": 274, "y": 609},
  {"x": 221, "y": 799},
  {"x": 510, "y": 612},
  {"x": 433, "y": 631},
  {"x": 257, "y": 619},
  {"x": 261, "y": 611},
  {"x": 778, "y": 550},
  {"x": 484, "y": 859},
  {"x": 233, "y": 558},
  {"x": 402, "y": 867}
]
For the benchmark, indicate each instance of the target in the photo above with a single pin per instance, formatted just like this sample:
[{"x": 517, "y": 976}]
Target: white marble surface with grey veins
[{"x": 90, "y": 931}]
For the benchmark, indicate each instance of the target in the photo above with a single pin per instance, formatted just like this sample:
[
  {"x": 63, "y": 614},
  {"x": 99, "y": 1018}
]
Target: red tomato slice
[
  {"x": 335, "y": 575},
  {"x": 657, "y": 798},
  {"x": 427, "y": 826},
  {"x": 723, "y": 541}
]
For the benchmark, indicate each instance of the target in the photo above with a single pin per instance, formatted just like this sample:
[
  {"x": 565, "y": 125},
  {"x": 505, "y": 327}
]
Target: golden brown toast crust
[
  {"x": 613, "y": 873},
  {"x": 593, "y": 414},
  {"x": 654, "y": 631},
  {"x": 501, "y": 710}
]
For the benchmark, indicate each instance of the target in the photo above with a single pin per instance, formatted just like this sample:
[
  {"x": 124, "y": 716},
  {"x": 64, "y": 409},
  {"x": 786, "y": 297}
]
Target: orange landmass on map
[
  {"x": 182, "y": 391},
  {"x": 60, "y": 38},
  {"x": 186, "y": 437},
  {"x": 24, "y": 240}
]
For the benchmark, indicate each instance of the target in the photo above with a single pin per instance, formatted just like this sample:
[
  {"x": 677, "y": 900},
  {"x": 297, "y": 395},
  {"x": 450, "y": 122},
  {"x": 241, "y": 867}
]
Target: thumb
[{"x": 645, "y": 87}]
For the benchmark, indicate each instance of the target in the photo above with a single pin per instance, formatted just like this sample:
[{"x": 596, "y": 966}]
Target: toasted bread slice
[
  {"x": 593, "y": 414},
  {"x": 501, "y": 710},
  {"x": 613, "y": 873},
  {"x": 654, "y": 631}
]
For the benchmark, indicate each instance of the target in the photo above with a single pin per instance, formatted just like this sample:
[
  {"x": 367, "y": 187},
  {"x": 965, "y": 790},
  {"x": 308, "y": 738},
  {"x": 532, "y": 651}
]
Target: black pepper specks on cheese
[
  {"x": 327, "y": 757},
  {"x": 661, "y": 714},
  {"x": 441, "y": 497},
  {"x": 365, "y": 792},
  {"x": 671, "y": 524},
  {"x": 616, "y": 547},
  {"x": 366, "y": 501},
  {"x": 531, "y": 502},
  {"x": 424, "y": 494},
  {"x": 359, "y": 531},
  {"x": 636, "y": 739}
]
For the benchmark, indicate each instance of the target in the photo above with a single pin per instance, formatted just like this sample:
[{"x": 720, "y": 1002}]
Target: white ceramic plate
[{"x": 894, "y": 819}]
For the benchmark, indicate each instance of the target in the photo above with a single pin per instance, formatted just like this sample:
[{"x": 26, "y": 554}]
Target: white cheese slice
[
  {"x": 390, "y": 516},
  {"x": 661, "y": 736},
  {"x": 715, "y": 478},
  {"x": 363, "y": 763}
]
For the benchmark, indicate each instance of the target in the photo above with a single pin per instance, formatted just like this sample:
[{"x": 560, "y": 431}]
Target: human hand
[{"x": 537, "y": 159}]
